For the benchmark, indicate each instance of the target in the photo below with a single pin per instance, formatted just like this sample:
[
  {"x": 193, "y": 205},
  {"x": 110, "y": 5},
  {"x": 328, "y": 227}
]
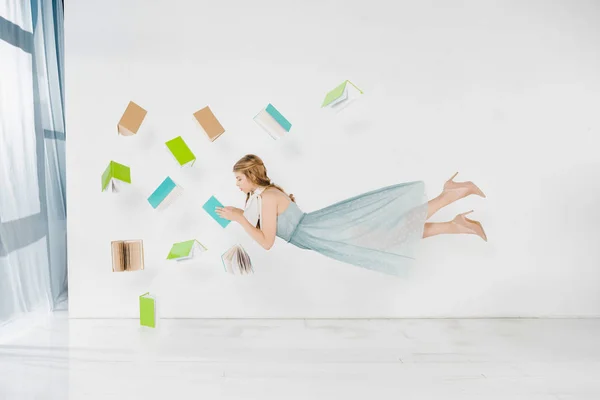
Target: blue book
[
  {"x": 277, "y": 116},
  {"x": 273, "y": 122},
  {"x": 162, "y": 192},
  {"x": 210, "y": 207}
]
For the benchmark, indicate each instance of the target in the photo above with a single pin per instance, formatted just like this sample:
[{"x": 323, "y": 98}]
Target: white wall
[{"x": 506, "y": 94}]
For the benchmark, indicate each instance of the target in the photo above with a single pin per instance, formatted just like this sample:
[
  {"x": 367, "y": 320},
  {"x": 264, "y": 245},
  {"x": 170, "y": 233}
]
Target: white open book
[{"x": 236, "y": 261}]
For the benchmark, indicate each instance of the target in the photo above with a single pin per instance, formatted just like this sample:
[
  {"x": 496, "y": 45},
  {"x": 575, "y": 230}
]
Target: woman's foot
[
  {"x": 466, "y": 225},
  {"x": 458, "y": 190}
]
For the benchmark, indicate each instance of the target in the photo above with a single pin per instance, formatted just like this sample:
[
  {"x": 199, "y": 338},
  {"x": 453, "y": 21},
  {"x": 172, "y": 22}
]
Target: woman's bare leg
[
  {"x": 460, "y": 224},
  {"x": 452, "y": 191},
  {"x": 441, "y": 201},
  {"x": 439, "y": 228}
]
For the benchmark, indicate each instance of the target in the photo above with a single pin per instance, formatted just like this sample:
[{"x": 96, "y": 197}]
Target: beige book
[
  {"x": 127, "y": 255},
  {"x": 131, "y": 120},
  {"x": 209, "y": 123}
]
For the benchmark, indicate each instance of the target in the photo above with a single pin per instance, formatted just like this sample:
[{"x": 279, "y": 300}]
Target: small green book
[
  {"x": 185, "y": 250},
  {"x": 342, "y": 95},
  {"x": 181, "y": 151},
  {"x": 115, "y": 173},
  {"x": 148, "y": 310}
]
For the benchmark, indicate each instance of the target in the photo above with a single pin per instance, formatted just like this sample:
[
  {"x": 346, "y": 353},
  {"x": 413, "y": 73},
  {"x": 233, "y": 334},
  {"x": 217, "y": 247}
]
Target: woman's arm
[{"x": 265, "y": 236}]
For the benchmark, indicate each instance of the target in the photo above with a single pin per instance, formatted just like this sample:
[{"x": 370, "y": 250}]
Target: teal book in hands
[{"x": 210, "y": 207}]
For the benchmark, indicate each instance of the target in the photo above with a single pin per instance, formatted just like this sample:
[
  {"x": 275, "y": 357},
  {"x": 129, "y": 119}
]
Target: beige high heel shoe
[
  {"x": 451, "y": 186},
  {"x": 470, "y": 226}
]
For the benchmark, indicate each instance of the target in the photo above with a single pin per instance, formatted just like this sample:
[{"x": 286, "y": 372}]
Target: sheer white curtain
[{"x": 33, "y": 263}]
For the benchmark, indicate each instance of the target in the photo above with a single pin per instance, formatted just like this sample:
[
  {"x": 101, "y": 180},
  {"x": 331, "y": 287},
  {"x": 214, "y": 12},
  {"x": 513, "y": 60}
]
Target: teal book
[
  {"x": 164, "y": 194},
  {"x": 277, "y": 116},
  {"x": 210, "y": 207},
  {"x": 273, "y": 122}
]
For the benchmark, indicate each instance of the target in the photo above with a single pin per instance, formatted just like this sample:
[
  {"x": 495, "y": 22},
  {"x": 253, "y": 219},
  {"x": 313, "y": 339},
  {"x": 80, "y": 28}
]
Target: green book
[
  {"x": 185, "y": 250},
  {"x": 342, "y": 95},
  {"x": 181, "y": 151},
  {"x": 147, "y": 310},
  {"x": 115, "y": 173}
]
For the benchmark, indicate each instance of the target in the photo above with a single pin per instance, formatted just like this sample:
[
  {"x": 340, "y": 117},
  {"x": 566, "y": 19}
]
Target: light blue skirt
[{"x": 379, "y": 230}]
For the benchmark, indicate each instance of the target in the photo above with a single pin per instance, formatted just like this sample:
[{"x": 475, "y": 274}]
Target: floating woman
[{"x": 378, "y": 230}]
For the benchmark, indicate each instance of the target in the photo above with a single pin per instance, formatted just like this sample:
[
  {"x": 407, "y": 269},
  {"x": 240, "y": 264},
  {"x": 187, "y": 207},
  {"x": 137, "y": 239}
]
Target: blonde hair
[{"x": 254, "y": 169}]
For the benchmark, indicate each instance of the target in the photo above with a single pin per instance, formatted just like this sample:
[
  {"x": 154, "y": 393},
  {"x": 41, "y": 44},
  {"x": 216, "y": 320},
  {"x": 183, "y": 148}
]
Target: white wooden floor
[{"x": 486, "y": 359}]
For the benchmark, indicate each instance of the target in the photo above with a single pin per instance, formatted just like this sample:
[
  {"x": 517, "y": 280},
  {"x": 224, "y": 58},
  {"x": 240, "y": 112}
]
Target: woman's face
[{"x": 242, "y": 182}]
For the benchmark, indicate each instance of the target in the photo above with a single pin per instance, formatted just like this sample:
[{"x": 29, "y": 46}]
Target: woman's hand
[{"x": 230, "y": 213}]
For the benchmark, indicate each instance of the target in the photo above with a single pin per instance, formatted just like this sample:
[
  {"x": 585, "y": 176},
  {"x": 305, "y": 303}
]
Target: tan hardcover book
[
  {"x": 131, "y": 120},
  {"x": 211, "y": 125},
  {"x": 127, "y": 255}
]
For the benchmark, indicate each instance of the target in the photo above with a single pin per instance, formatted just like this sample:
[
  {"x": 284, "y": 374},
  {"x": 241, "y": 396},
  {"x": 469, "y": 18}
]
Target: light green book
[
  {"x": 115, "y": 173},
  {"x": 342, "y": 95},
  {"x": 185, "y": 250},
  {"x": 147, "y": 310},
  {"x": 181, "y": 151}
]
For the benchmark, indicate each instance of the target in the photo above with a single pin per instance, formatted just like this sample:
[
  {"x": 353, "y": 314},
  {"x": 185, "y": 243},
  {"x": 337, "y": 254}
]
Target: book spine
[
  {"x": 126, "y": 257},
  {"x": 122, "y": 255}
]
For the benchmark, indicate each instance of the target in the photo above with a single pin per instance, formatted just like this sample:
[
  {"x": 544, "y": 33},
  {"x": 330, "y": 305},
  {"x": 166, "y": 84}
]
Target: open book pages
[{"x": 237, "y": 261}]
